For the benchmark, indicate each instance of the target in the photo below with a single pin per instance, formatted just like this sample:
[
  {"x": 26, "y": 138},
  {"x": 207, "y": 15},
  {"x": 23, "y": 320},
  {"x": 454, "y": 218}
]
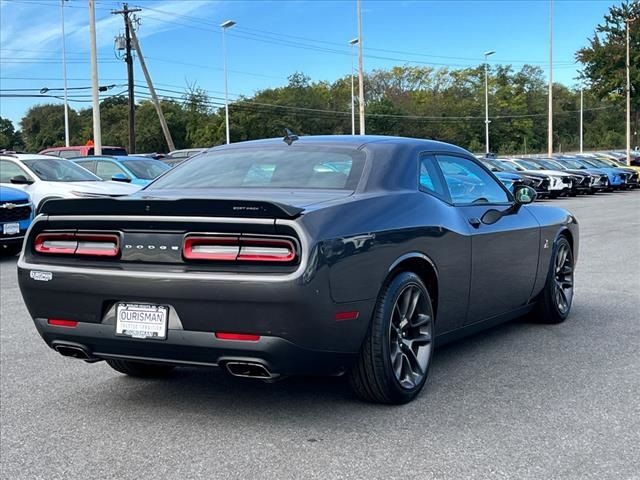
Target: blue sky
[{"x": 182, "y": 41}]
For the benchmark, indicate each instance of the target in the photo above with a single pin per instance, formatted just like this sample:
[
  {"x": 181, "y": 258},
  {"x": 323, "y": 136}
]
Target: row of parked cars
[
  {"x": 28, "y": 180},
  {"x": 567, "y": 175}
]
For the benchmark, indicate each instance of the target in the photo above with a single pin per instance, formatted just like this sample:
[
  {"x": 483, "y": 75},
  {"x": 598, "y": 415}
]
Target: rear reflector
[
  {"x": 90, "y": 244},
  {"x": 341, "y": 316},
  {"x": 56, "y": 322},
  {"x": 242, "y": 249},
  {"x": 243, "y": 337}
]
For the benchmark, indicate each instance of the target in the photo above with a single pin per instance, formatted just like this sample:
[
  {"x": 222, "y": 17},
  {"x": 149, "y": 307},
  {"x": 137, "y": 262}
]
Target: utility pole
[
  {"x": 550, "y": 127},
  {"x": 64, "y": 77},
  {"x": 486, "y": 98},
  {"x": 225, "y": 26},
  {"x": 152, "y": 90},
  {"x": 360, "y": 71},
  {"x": 125, "y": 12},
  {"x": 581, "y": 117},
  {"x": 97, "y": 133}
]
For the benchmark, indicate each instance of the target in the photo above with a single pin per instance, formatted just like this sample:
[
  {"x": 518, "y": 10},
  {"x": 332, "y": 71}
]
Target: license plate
[
  {"x": 11, "y": 228},
  {"x": 142, "y": 320}
]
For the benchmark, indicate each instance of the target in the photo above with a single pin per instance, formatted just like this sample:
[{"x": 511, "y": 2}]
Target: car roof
[
  {"x": 118, "y": 158},
  {"x": 76, "y": 147},
  {"x": 354, "y": 141},
  {"x": 27, "y": 156}
]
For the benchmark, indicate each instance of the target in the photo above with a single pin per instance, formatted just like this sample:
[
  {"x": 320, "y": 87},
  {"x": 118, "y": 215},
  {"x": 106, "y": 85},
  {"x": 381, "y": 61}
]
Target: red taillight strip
[
  {"x": 89, "y": 244},
  {"x": 210, "y": 248},
  {"x": 243, "y": 337},
  {"x": 56, "y": 322},
  {"x": 266, "y": 250}
]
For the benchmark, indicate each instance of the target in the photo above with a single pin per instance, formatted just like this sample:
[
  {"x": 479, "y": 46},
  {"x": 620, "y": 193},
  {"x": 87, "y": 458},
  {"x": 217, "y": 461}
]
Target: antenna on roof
[{"x": 289, "y": 137}]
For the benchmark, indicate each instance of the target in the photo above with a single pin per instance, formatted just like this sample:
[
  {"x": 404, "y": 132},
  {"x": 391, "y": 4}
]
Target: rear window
[
  {"x": 109, "y": 151},
  {"x": 146, "y": 169},
  {"x": 295, "y": 167}
]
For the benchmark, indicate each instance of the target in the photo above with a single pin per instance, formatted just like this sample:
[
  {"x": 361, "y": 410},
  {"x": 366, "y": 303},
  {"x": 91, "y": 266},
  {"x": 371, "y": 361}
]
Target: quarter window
[
  {"x": 430, "y": 179},
  {"x": 469, "y": 183}
]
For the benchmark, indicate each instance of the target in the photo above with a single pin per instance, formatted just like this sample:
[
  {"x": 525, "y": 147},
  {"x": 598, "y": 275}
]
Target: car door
[{"x": 504, "y": 255}]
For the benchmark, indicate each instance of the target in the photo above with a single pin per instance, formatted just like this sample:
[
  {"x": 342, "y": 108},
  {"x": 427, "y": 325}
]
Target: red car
[{"x": 81, "y": 151}]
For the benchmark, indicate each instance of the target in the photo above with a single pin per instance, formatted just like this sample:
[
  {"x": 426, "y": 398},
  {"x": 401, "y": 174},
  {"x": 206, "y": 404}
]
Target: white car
[
  {"x": 45, "y": 177},
  {"x": 560, "y": 183}
]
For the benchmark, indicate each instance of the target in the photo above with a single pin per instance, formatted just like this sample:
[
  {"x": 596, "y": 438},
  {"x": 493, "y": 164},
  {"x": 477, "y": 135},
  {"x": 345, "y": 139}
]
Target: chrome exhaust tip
[
  {"x": 73, "y": 352},
  {"x": 249, "y": 370}
]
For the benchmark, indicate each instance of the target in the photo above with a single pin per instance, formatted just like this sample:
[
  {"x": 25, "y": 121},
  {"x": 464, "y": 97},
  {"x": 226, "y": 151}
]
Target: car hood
[
  {"x": 301, "y": 198},
  {"x": 8, "y": 194}
]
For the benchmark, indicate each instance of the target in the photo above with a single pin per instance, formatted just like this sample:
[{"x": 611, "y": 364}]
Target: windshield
[
  {"x": 572, "y": 163},
  {"x": 508, "y": 166},
  {"x": 529, "y": 165},
  {"x": 56, "y": 170},
  {"x": 146, "y": 169},
  {"x": 551, "y": 165},
  {"x": 293, "y": 167}
]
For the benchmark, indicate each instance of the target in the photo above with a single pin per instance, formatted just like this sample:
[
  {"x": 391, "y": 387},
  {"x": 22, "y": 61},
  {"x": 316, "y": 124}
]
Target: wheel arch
[{"x": 421, "y": 265}]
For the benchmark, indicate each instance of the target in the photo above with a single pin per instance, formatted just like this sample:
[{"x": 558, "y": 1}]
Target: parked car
[
  {"x": 599, "y": 181},
  {"x": 16, "y": 213},
  {"x": 320, "y": 255},
  {"x": 581, "y": 181},
  {"x": 130, "y": 168},
  {"x": 81, "y": 151},
  {"x": 617, "y": 178},
  {"x": 560, "y": 184},
  {"x": 179, "y": 156},
  {"x": 44, "y": 177},
  {"x": 538, "y": 181},
  {"x": 633, "y": 180}
]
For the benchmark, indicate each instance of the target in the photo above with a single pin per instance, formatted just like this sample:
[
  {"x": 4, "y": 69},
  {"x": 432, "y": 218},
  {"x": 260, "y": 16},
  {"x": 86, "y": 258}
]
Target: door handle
[{"x": 475, "y": 222}]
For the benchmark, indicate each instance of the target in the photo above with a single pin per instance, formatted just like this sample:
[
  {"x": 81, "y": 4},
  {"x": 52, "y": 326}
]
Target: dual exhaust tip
[{"x": 235, "y": 368}]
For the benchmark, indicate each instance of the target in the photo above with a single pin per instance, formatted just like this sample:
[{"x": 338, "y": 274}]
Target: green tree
[
  {"x": 604, "y": 59},
  {"x": 10, "y": 139},
  {"x": 43, "y": 126}
]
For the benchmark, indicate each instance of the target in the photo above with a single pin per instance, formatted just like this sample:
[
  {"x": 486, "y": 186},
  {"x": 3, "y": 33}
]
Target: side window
[
  {"x": 89, "y": 165},
  {"x": 8, "y": 170},
  {"x": 105, "y": 170},
  {"x": 430, "y": 179},
  {"x": 469, "y": 183},
  {"x": 54, "y": 153},
  {"x": 69, "y": 153}
]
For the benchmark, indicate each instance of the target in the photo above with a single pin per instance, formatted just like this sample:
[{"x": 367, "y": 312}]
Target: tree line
[{"x": 423, "y": 102}]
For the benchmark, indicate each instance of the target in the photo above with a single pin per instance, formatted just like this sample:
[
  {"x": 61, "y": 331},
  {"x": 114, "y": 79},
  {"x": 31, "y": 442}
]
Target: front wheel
[
  {"x": 139, "y": 369},
  {"x": 394, "y": 359},
  {"x": 555, "y": 300}
]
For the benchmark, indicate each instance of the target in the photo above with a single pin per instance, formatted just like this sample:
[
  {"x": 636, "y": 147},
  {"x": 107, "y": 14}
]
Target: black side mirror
[
  {"x": 21, "y": 180},
  {"x": 523, "y": 195},
  {"x": 121, "y": 177}
]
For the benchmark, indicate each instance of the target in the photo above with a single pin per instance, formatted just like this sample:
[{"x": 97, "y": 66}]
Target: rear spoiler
[{"x": 184, "y": 207}]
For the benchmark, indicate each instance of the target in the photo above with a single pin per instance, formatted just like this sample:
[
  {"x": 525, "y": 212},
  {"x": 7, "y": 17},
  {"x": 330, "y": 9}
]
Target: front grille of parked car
[
  {"x": 10, "y": 212},
  {"x": 545, "y": 184}
]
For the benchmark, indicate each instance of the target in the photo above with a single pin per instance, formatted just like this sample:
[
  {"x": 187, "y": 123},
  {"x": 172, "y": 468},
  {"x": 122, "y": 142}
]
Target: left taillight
[{"x": 85, "y": 244}]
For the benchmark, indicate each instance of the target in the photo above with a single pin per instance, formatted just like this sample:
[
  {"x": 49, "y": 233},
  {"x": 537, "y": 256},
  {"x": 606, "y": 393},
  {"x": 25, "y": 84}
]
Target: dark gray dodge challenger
[{"x": 313, "y": 255}]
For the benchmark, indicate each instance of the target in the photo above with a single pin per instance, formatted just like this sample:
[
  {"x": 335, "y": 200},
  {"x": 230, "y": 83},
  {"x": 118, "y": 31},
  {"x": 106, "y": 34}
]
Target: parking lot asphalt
[{"x": 519, "y": 401}]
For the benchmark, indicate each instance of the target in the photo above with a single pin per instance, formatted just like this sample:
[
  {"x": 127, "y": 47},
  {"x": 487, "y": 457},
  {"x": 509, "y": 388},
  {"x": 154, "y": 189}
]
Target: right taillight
[{"x": 240, "y": 249}]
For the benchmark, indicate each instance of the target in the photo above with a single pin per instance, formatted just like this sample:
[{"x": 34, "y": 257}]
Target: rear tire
[
  {"x": 554, "y": 303},
  {"x": 139, "y": 369},
  {"x": 394, "y": 360}
]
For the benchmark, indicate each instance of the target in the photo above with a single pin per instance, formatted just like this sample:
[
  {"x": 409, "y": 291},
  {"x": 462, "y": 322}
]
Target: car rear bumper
[
  {"x": 296, "y": 318},
  {"x": 188, "y": 348}
]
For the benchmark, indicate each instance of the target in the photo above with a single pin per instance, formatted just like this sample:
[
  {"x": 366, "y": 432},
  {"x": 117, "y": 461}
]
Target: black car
[
  {"x": 538, "y": 181},
  {"x": 317, "y": 255}
]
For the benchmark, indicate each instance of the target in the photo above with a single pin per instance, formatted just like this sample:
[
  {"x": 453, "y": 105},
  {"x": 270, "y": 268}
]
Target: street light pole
[
  {"x": 353, "y": 102},
  {"x": 486, "y": 98},
  {"x": 225, "y": 25},
  {"x": 97, "y": 132},
  {"x": 360, "y": 72},
  {"x": 550, "y": 122},
  {"x": 628, "y": 64},
  {"x": 64, "y": 77}
]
